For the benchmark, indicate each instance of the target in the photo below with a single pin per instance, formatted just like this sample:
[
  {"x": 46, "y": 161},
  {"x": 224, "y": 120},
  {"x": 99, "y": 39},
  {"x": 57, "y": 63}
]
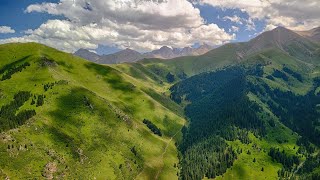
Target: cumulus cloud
[
  {"x": 293, "y": 14},
  {"x": 6, "y": 30},
  {"x": 141, "y": 25},
  {"x": 28, "y": 31}
]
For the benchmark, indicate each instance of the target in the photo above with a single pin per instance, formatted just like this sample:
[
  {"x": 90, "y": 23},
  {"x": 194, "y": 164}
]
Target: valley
[{"x": 240, "y": 111}]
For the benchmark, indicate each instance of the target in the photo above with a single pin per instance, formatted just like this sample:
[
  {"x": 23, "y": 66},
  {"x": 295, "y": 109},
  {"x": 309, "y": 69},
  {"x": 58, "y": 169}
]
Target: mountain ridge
[
  {"x": 312, "y": 34},
  {"x": 129, "y": 55},
  {"x": 280, "y": 38}
]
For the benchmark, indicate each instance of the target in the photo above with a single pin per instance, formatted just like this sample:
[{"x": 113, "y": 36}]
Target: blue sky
[
  {"x": 12, "y": 15},
  {"x": 69, "y": 25},
  {"x": 215, "y": 15}
]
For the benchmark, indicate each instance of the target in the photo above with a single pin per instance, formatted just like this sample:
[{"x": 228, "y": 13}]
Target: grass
[
  {"x": 246, "y": 168},
  {"x": 87, "y": 125}
]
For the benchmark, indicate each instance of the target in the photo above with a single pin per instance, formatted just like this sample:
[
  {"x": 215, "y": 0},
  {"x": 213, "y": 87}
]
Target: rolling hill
[{"x": 64, "y": 117}]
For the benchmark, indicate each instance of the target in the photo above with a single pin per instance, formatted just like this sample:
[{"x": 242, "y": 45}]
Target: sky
[{"x": 106, "y": 26}]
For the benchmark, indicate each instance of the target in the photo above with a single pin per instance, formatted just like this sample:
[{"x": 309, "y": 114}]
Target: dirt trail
[
  {"x": 162, "y": 155},
  {"x": 164, "y": 152}
]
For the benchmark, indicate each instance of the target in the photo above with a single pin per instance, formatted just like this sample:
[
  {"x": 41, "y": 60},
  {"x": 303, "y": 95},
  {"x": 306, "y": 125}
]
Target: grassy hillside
[{"x": 88, "y": 122}]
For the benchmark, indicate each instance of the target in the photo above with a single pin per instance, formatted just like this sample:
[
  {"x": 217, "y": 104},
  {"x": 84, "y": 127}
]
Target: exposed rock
[{"x": 49, "y": 170}]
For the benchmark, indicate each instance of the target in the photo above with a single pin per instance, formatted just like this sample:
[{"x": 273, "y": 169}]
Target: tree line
[
  {"x": 8, "y": 117},
  {"x": 152, "y": 127},
  {"x": 280, "y": 156},
  {"x": 14, "y": 69}
]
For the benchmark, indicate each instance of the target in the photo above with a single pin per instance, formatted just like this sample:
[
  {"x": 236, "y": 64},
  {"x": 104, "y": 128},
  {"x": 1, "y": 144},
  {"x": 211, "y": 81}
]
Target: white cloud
[
  {"x": 234, "y": 29},
  {"x": 143, "y": 26},
  {"x": 6, "y": 30},
  {"x": 269, "y": 27},
  {"x": 235, "y": 19},
  {"x": 28, "y": 31},
  {"x": 293, "y": 14},
  {"x": 93, "y": 51},
  {"x": 249, "y": 23}
]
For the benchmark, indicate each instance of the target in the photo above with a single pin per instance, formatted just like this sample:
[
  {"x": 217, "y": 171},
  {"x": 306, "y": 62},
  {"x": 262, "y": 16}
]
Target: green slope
[
  {"x": 279, "y": 39},
  {"x": 90, "y": 124}
]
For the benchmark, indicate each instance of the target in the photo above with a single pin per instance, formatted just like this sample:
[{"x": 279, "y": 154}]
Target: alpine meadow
[{"x": 175, "y": 89}]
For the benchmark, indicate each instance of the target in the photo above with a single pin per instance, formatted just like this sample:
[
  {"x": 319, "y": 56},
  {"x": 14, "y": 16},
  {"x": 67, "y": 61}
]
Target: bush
[{"x": 152, "y": 127}]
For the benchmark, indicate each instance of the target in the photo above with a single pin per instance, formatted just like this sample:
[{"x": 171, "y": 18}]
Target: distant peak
[
  {"x": 128, "y": 49},
  {"x": 280, "y": 29},
  {"x": 82, "y": 49},
  {"x": 165, "y": 47}
]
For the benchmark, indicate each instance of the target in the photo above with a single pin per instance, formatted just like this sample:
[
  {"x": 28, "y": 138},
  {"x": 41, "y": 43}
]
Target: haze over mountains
[
  {"x": 313, "y": 34},
  {"x": 129, "y": 55},
  {"x": 277, "y": 38}
]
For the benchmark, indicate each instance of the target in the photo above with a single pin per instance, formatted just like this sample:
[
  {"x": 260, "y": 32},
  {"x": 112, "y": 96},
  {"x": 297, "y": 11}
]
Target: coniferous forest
[
  {"x": 9, "y": 118},
  {"x": 219, "y": 110}
]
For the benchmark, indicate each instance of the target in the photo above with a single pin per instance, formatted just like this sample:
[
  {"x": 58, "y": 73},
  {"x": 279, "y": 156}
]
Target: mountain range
[
  {"x": 129, "y": 55},
  {"x": 247, "y": 110},
  {"x": 280, "y": 39},
  {"x": 313, "y": 34}
]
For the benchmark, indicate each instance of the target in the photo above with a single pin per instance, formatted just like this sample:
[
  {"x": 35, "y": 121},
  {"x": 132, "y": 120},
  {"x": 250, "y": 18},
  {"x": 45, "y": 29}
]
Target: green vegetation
[
  {"x": 152, "y": 127},
  {"x": 234, "y": 102},
  {"x": 9, "y": 118},
  {"x": 170, "y": 77},
  {"x": 14, "y": 70},
  {"x": 218, "y": 103},
  {"x": 252, "y": 110},
  {"x": 280, "y": 156},
  {"x": 64, "y": 117}
]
